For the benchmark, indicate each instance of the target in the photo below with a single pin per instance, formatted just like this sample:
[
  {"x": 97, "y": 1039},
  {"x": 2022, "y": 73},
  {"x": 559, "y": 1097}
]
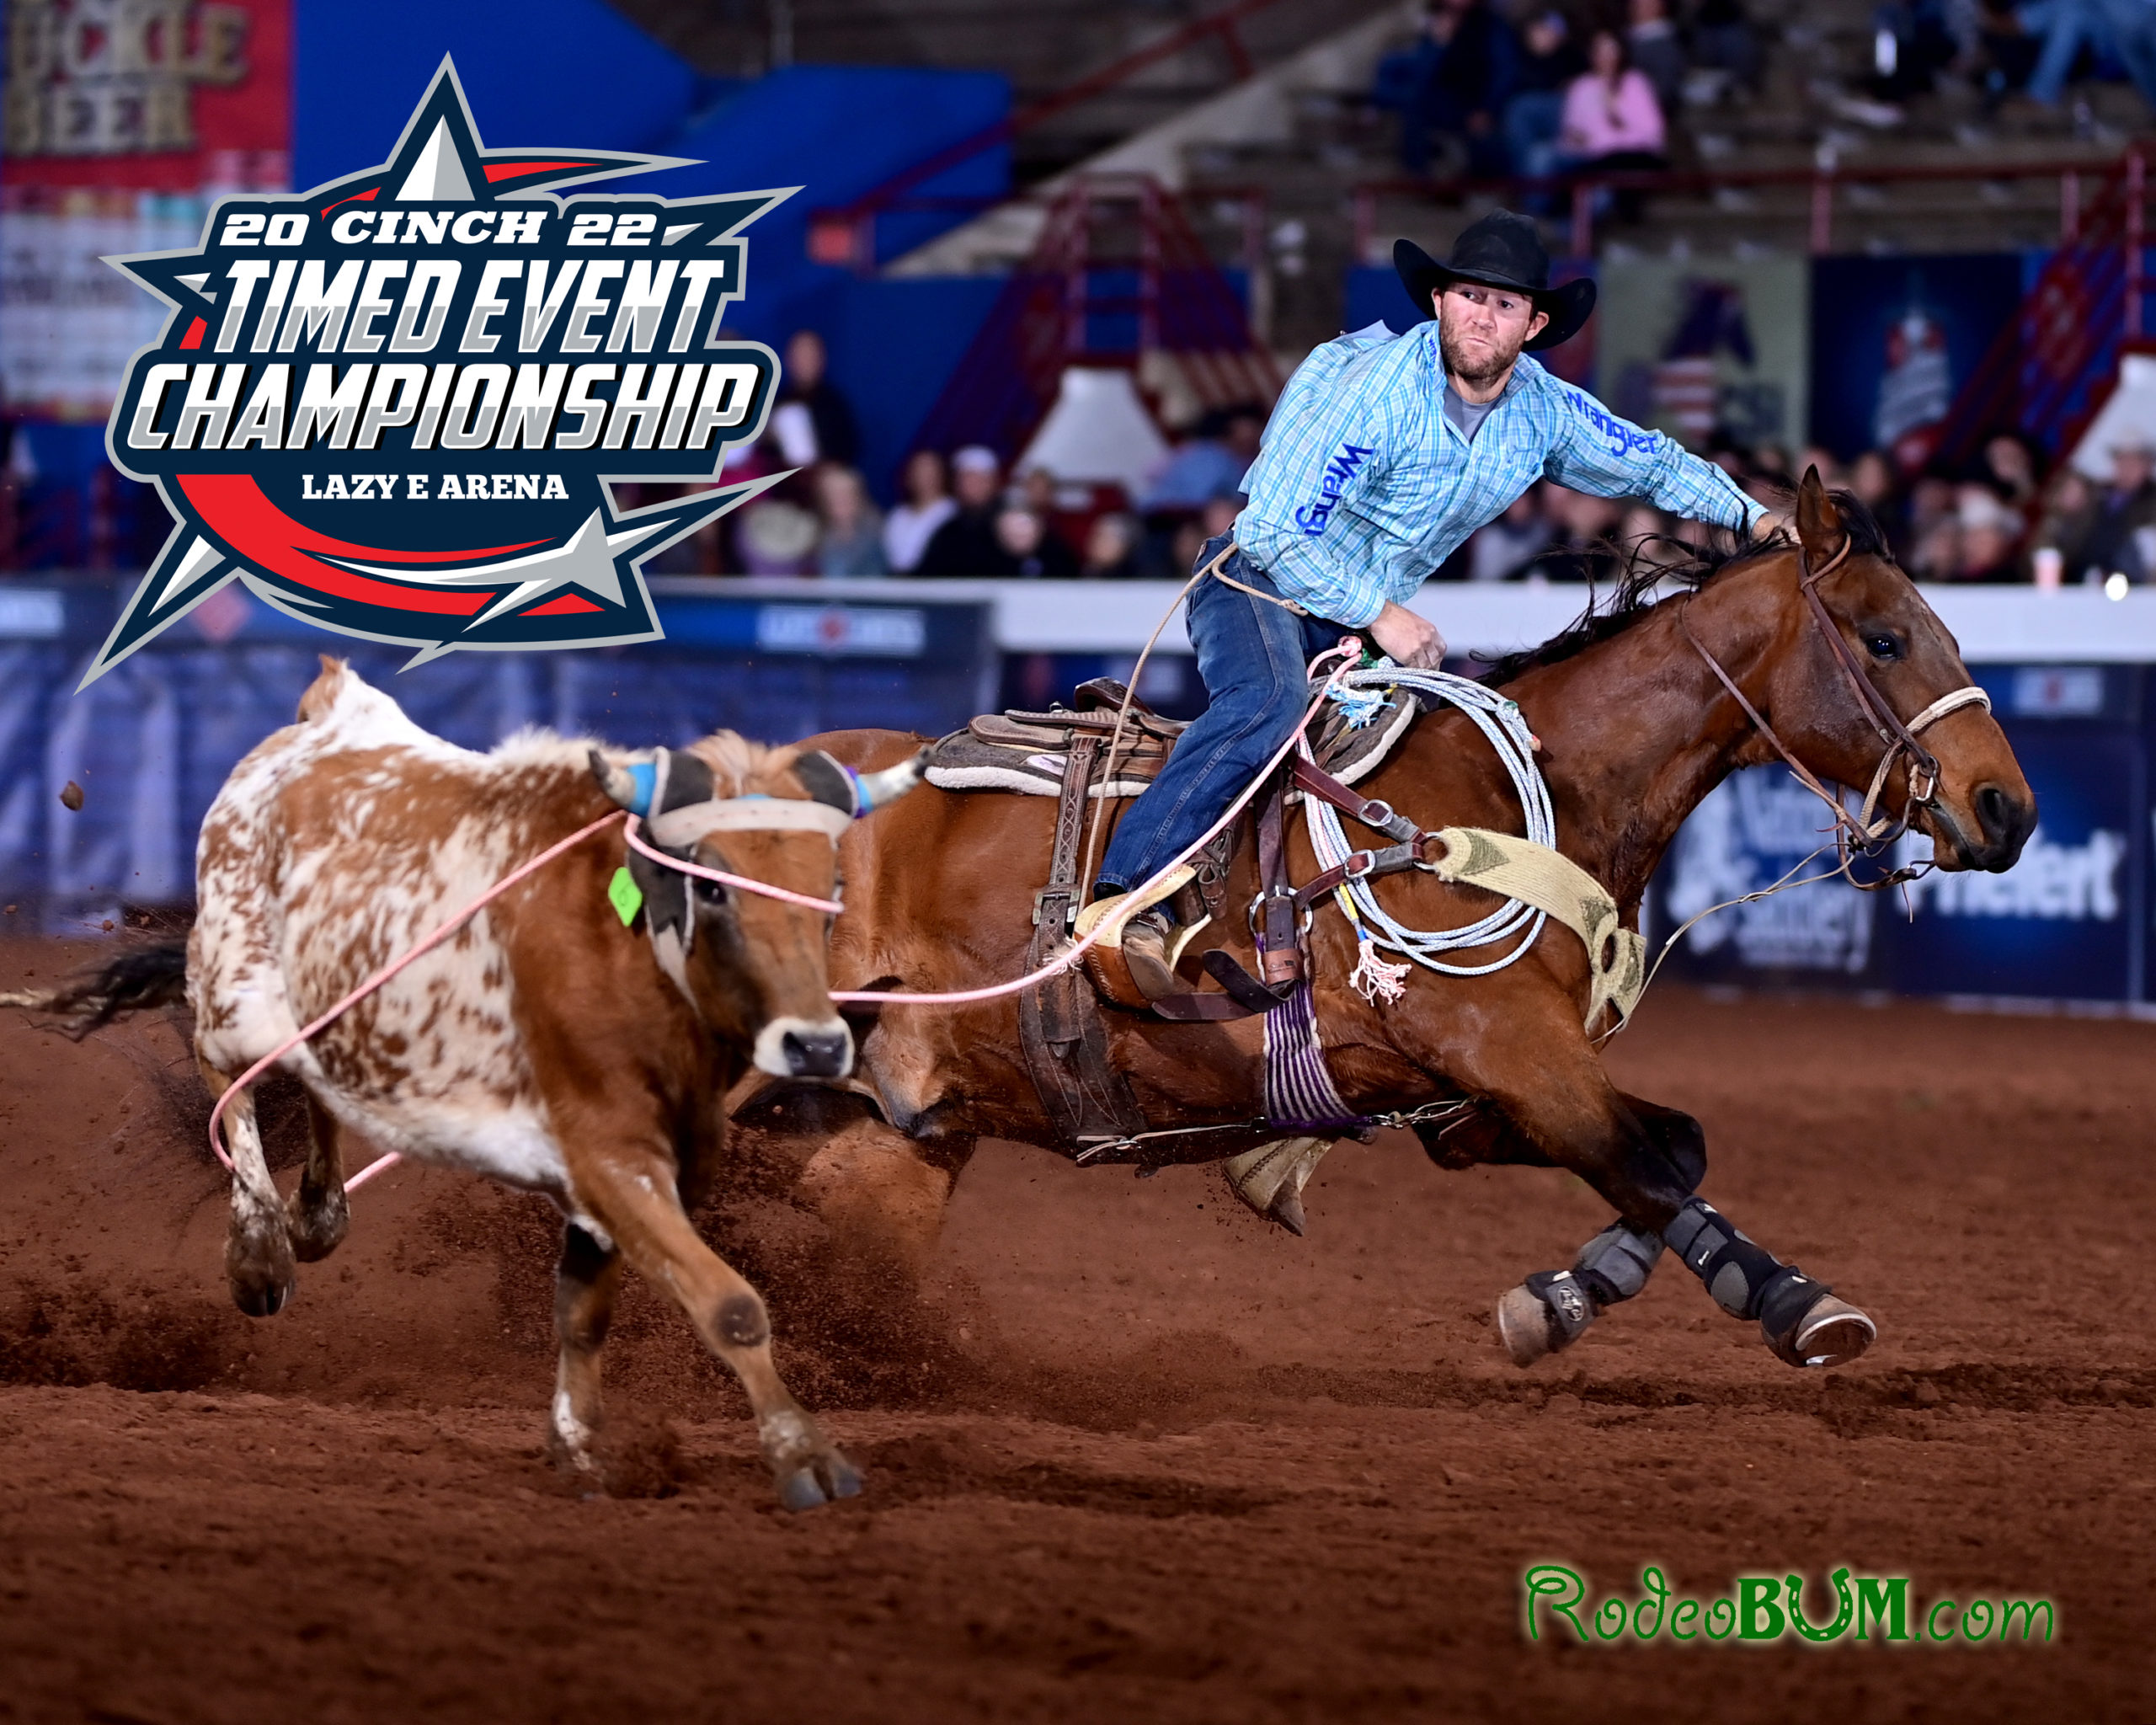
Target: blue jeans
[{"x": 1254, "y": 659}]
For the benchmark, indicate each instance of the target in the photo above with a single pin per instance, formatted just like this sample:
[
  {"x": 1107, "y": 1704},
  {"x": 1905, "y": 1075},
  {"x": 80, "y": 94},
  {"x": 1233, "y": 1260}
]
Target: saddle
[
  {"x": 1029, "y": 753},
  {"x": 1064, "y": 753}
]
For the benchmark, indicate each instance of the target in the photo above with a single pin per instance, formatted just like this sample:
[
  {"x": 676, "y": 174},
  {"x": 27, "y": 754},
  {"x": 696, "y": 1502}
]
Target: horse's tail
[{"x": 137, "y": 979}]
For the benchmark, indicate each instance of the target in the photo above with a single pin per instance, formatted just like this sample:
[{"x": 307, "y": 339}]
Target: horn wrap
[
  {"x": 631, "y": 786},
  {"x": 893, "y": 783}
]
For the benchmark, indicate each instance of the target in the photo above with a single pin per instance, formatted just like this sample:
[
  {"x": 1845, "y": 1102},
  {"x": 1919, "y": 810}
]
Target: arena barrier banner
[
  {"x": 150, "y": 745},
  {"x": 1693, "y": 348}
]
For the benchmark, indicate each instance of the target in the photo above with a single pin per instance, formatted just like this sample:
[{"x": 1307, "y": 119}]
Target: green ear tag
[{"x": 625, "y": 896}]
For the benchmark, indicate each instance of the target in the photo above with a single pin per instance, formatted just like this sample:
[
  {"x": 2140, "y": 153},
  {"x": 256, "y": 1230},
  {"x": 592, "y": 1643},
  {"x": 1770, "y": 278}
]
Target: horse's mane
[{"x": 1646, "y": 583}]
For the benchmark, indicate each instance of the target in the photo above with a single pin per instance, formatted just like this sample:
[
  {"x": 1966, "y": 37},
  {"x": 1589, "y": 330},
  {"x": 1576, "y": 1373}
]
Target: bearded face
[{"x": 1481, "y": 330}]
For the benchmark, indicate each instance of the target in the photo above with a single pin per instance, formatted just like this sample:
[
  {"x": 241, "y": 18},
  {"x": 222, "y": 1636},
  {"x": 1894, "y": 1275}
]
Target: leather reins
[{"x": 1866, "y": 832}]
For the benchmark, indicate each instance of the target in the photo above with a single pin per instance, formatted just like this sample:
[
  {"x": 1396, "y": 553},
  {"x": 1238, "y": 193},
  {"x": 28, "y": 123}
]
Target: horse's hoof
[
  {"x": 839, "y": 1477},
  {"x": 1523, "y": 1325},
  {"x": 1831, "y": 1333},
  {"x": 800, "y": 1490}
]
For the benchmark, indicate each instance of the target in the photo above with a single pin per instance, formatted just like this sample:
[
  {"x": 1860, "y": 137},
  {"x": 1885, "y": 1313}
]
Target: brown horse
[{"x": 1635, "y": 727}]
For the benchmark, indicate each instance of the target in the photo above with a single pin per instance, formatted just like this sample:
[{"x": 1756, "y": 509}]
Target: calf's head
[{"x": 754, "y": 967}]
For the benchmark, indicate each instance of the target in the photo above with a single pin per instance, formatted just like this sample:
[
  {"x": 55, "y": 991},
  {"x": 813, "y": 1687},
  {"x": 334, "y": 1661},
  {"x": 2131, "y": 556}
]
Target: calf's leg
[
  {"x": 317, "y": 1215},
  {"x": 631, "y": 1196},
  {"x": 259, "y": 1261},
  {"x": 585, "y": 1283}
]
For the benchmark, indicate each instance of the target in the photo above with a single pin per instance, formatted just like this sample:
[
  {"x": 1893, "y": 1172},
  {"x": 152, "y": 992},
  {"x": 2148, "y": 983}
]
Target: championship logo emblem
[{"x": 392, "y": 406}]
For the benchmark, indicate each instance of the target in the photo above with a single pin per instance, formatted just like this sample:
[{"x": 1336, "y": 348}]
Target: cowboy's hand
[
  {"x": 1409, "y": 640},
  {"x": 1774, "y": 521}
]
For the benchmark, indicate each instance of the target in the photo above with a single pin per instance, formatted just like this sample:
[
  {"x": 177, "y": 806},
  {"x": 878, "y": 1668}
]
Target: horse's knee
[
  {"x": 878, "y": 1194},
  {"x": 741, "y": 1321}
]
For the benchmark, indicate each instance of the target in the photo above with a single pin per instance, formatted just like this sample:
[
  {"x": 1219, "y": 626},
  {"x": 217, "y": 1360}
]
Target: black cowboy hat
[{"x": 1500, "y": 250}]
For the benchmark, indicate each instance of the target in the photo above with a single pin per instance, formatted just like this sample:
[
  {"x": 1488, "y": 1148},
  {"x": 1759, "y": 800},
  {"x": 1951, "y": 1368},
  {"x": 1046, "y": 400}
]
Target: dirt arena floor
[{"x": 1163, "y": 1464}]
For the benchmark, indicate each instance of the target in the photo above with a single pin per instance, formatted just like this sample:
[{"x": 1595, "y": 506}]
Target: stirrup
[{"x": 1104, "y": 963}]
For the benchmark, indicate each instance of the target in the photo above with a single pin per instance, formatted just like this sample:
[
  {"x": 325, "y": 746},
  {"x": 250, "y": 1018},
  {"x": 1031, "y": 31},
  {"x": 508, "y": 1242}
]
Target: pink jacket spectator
[{"x": 1598, "y": 123}]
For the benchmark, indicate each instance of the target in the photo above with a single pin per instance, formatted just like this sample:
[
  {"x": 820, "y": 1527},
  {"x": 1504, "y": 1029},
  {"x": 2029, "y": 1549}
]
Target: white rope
[{"x": 1500, "y": 721}]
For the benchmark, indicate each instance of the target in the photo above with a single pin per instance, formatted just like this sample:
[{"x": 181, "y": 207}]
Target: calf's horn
[
  {"x": 893, "y": 783},
  {"x": 626, "y": 788}
]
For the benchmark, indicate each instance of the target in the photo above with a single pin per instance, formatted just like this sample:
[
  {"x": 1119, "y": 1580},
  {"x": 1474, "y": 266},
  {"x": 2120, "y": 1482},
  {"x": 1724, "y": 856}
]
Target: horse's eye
[{"x": 1883, "y": 646}]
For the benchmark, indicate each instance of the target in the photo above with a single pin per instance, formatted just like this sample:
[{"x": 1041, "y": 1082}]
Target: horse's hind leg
[
  {"x": 586, "y": 1282},
  {"x": 259, "y": 1261},
  {"x": 316, "y": 1216}
]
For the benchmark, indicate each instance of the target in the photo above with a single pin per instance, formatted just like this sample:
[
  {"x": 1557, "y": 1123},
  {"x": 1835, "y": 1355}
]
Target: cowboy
[{"x": 1383, "y": 453}]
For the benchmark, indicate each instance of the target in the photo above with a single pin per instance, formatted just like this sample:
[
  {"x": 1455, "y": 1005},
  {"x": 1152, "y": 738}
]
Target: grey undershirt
[{"x": 1467, "y": 415}]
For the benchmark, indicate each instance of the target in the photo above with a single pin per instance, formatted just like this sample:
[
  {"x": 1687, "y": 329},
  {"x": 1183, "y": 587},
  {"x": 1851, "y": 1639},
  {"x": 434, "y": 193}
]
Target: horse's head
[
  {"x": 1867, "y": 677},
  {"x": 754, "y": 966}
]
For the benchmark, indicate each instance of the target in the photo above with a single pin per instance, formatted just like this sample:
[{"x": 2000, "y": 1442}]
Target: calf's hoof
[
  {"x": 1546, "y": 1314},
  {"x": 1830, "y": 1332},
  {"x": 261, "y": 1274},
  {"x": 317, "y": 1229},
  {"x": 825, "y": 1479}
]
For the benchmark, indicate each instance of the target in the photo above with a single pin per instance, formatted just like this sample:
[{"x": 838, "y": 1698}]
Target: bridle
[{"x": 1867, "y": 832}]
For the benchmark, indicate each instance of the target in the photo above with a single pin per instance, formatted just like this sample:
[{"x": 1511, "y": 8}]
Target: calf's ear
[{"x": 827, "y": 781}]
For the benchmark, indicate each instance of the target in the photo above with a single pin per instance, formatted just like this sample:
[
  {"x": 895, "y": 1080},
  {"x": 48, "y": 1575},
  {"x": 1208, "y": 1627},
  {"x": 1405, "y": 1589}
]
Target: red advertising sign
[{"x": 151, "y": 95}]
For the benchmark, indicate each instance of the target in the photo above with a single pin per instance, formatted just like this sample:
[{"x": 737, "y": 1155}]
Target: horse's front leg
[{"x": 1549, "y": 1088}]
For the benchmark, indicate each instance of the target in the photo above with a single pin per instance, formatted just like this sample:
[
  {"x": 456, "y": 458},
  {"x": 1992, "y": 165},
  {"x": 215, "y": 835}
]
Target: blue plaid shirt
[{"x": 1364, "y": 487}]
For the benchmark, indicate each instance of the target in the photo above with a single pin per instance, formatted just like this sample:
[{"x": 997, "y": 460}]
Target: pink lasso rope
[
  {"x": 829, "y": 907},
  {"x": 1349, "y": 650}
]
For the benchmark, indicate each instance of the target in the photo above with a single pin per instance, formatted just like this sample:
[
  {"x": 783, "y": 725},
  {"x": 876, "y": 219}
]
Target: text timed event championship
[{"x": 390, "y": 406}]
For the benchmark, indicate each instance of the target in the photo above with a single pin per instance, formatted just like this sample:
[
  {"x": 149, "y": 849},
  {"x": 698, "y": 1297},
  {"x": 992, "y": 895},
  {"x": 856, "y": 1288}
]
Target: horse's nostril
[{"x": 1995, "y": 812}]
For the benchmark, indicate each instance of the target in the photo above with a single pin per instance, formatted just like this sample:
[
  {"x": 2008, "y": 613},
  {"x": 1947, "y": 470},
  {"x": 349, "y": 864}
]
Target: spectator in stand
[
  {"x": 2123, "y": 30},
  {"x": 1453, "y": 82},
  {"x": 1872, "y": 482},
  {"x": 1025, "y": 550},
  {"x": 1643, "y": 535},
  {"x": 908, "y": 528},
  {"x": 1550, "y": 60},
  {"x": 965, "y": 544},
  {"x": 777, "y": 538},
  {"x": 1653, "y": 41},
  {"x": 2118, "y": 540},
  {"x": 1221, "y": 447},
  {"x": 1914, "y": 41},
  {"x": 851, "y": 547},
  {"x": 1110, "y": 548},
  {"x": 1505, "y": 549},
  {"x": 1991, "y": 537},
  {"x": 2010, "y": 467},
  {"x": 2069, "y": 511},
  {"x": 812, "y": 421},
  {"x": 1612, "y": 120},
  {"x": 1724, "y": 38},
  {"x": 2007, "y": 50},
  {"x": 1934, "y": 530},
  {"x": 1583, "y": 524}
]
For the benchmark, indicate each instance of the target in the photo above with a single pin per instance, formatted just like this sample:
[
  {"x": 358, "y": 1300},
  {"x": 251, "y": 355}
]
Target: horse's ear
[{"x": 1819, "y": 522}]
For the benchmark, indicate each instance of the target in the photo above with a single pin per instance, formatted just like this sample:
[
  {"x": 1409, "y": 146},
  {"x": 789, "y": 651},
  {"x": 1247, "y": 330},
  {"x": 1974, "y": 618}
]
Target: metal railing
[{"x": 1578, "y": 191}]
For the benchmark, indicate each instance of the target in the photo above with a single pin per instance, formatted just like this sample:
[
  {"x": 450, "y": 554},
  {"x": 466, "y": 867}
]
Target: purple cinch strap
[{"x": 1298, "y": 1090}]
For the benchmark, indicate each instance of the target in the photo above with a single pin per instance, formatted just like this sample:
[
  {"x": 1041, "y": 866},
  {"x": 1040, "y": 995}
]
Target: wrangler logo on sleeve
[{"x": 1338, "y": 471}]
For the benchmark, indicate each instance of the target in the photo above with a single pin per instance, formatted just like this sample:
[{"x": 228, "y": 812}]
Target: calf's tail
[{"x": 132, "y": 981}]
